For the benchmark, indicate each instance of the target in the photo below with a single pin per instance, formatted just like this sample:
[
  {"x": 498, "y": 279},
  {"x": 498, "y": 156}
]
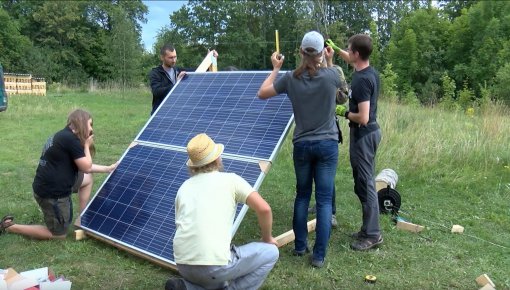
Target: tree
[
  {"x": 480, "y": 43},
  {"x": 123, "y": 52},
  {"x": 14, "y": 46},
  {"x": 501, "y": 87},
  {"x": 417, "y": 49}
]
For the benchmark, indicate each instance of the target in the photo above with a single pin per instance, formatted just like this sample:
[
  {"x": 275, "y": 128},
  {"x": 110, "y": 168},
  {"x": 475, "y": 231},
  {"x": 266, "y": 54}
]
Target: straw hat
[{"x": 202, "y": 150}]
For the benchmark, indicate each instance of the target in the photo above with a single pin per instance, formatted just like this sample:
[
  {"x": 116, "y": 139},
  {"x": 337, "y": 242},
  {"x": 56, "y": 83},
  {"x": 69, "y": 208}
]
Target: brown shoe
[{"x": 364, "y": 244}]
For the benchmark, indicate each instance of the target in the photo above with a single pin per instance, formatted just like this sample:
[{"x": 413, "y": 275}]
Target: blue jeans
[{"x": 314, "y": 162}]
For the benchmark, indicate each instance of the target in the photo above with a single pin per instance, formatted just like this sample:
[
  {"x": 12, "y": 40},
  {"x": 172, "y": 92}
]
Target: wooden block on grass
[
  {"x": 79, "y": 235},
  {"x": 409, "y": 227},
  {"x": 487, "y": 287},
  {"x": 483, "y": 280},
  {"x": 457, "y": 229}
]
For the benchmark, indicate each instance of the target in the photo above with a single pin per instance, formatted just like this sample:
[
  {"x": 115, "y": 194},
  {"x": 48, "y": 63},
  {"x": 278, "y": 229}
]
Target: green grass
[{"x": 453, "y": 169}]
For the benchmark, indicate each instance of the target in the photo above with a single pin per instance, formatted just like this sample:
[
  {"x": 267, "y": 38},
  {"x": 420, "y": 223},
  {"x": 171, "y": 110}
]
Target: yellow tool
[
  {"x": 279, "y": 56},
  {"x": 277, "y": 41},
  {"x": 370, "y": 279}
]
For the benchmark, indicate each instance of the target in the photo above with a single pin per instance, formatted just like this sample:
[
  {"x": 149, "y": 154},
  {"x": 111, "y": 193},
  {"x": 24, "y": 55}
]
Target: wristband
[{"x": 346, "y": 115}]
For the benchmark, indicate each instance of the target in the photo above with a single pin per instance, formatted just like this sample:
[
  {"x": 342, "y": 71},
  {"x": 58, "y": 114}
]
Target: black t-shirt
[
  {"x": 365, "y": 87},
  {"x": 57, "y": 170}
]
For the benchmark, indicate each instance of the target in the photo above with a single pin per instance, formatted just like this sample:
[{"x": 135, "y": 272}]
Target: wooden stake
[
  {"x": 483, "y": 280},
  {"x": 289, "y": 236},
  {"x": 409, "y": 227}
]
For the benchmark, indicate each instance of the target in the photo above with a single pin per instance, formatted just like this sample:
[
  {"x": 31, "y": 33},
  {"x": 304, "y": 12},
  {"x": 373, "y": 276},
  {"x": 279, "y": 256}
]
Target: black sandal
[{"x": 6, "y": 222}]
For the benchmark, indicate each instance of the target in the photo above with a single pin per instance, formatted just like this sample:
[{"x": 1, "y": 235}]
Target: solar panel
[
  {"x": 223, "y": 105},
  {"x": 134, "y": 207}
]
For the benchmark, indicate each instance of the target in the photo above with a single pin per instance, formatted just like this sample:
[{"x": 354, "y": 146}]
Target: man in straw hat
[{"x": 205, "y": 207}]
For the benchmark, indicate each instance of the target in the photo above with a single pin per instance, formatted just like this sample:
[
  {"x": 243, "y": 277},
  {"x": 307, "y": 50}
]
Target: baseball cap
[{"x": 312, "y": 40}]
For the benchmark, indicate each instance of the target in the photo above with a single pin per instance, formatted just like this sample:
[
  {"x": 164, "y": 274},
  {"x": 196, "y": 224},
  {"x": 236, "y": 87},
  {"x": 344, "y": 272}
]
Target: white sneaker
[{"x": 334, "y": 223}]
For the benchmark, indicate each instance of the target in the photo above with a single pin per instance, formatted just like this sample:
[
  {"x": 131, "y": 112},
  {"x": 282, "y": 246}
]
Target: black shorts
[{"x": 78, "y": 182}]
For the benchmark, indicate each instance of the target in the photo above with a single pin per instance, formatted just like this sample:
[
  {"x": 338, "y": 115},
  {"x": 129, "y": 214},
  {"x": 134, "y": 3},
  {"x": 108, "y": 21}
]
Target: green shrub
[{"x": 501, "y": 88}]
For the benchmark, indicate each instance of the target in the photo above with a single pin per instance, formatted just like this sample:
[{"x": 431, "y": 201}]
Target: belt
[{"x": 356, "y": 125}]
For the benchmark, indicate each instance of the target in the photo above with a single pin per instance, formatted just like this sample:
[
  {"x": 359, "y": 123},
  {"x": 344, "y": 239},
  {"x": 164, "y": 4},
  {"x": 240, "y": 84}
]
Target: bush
[
  {"x": 466, "y": 97},
  {"x": 447, "y": 100},
  {"x": 430, "y": 93},
  {"x": 501, "y": 88},
  {"x": 409, "y": 98},
  {"x": 389, "y": 83}
]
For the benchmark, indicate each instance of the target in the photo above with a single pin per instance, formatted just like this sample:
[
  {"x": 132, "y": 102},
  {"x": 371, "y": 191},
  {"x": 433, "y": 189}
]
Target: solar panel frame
[{"x": 179, "y": 149}]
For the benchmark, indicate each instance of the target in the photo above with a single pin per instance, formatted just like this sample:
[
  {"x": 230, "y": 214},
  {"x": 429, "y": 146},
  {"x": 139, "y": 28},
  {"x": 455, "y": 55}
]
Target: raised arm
[{"x": 267, "y": 90}]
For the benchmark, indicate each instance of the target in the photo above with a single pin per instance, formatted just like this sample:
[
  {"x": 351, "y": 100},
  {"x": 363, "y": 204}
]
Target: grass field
[{"x": 453, "y": 169}]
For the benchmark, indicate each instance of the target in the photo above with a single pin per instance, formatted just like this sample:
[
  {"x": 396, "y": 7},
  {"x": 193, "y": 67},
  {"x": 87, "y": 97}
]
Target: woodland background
[{"x": 454, "y": 53}]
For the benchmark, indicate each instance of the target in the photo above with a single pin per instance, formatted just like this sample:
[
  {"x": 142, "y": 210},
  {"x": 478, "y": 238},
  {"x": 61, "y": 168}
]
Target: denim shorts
[{"x": 57, "y": 212}]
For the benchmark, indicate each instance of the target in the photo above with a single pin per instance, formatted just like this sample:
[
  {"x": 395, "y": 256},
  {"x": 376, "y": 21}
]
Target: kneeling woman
[{"x": 65, "y": 166}]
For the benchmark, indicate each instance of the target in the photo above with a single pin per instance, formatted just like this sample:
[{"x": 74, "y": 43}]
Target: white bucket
[{"x": 384, "y": 178}]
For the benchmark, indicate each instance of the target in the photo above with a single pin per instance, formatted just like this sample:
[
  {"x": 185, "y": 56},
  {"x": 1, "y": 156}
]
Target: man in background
[
  {"x": 165, "y": 76},
  {"x": 365, "y": 136}
]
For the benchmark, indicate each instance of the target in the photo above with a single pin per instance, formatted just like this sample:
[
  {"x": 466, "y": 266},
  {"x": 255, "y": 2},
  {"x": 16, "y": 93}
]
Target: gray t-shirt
[
  {"x": 313, "y": 102},
  {"x": 171, "y": 74}
]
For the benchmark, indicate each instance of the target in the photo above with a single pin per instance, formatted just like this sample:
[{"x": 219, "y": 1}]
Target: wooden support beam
[
  {"x": 289, "y": 236},
  {"x": 483, "y": 280},
  {"x": 133, "y": 252},
  {"x": 409, "y": 227},
  {"x": 209, "y": 63},
  {"x": 265, "y": 166}
]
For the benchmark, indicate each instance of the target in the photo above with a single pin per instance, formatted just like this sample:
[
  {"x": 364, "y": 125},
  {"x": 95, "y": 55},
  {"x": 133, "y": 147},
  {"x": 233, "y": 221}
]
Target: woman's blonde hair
[
  {"x": 77, "y": 121},
  {"x": 216, "y": 165},
  {"x": 310, "y": 63}
]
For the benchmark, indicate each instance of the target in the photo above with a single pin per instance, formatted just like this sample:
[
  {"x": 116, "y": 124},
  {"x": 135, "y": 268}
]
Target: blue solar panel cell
[
  {"x": 136, "y": 205},
  {"x": 225, "y": 107}
]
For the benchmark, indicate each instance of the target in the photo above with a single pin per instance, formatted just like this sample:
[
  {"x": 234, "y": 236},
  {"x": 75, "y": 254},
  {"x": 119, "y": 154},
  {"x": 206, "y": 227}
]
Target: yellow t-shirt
[{"x": 205, "y": 208}]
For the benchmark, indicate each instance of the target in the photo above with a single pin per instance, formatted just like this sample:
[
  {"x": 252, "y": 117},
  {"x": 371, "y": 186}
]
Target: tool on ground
[
  {"x": 371, "y": 279},
  {"x": 389, "y": 198}
]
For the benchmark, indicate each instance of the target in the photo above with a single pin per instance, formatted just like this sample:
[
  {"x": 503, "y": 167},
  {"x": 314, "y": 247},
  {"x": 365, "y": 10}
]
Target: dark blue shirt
[{"x": 365, "y": 87}]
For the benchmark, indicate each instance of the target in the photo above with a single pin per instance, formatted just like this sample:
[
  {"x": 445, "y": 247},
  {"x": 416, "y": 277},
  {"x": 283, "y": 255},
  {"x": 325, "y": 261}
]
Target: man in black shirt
[{"x": 365, "y": 136}]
